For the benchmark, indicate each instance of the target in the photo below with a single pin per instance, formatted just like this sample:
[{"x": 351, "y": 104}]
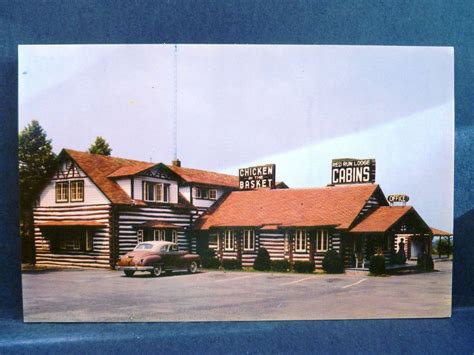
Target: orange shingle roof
[
  {"x": 101, "y": 169},
  {"x": 131, "y": 170},
  {"x": 206, "y": 177},
  {"x": 381, "y": 219},
  {"x": 440, "y": 232},
  {"x": 327, "y": 206},
  {"x": 98, "y": 167}
]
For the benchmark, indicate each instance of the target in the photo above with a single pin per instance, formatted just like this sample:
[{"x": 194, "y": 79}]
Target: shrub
[
  {"x": 280, "y": 265},
  {"x": 262, "y": 261},
  {"x": 377, "y": 265},
  {"x": 444, "y": 248},
  {"x": 210, "y": 263},
  {"x": 209, "y": 260},
  {"x": 425, "y": 262},
  {"x": 333, "y": 263},
  {"x": 232, "y": 264},
  {"x": 304, "y": 266}
]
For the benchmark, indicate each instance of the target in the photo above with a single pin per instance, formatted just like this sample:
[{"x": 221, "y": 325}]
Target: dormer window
[
  {"x": 205, "y": 194},
  {"x": 156, "y": 191}
]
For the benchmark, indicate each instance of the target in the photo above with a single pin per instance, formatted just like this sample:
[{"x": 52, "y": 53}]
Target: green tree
[
  {"x": 100, "y": 146},
  {"x": 36, "y": 159}
]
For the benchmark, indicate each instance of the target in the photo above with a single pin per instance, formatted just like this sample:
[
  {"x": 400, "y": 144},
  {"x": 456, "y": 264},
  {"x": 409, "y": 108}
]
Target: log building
[{"x": 95, "y": 208}]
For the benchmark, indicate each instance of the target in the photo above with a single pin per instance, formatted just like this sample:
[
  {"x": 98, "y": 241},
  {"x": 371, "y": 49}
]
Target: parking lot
[{"x": 105, "y": 295}]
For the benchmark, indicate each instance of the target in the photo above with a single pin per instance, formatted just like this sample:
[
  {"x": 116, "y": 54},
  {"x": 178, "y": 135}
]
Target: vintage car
[{"x": 156, "y": 257}]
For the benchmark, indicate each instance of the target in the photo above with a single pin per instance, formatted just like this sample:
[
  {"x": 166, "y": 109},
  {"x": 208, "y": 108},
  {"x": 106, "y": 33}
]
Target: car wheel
[
  {"x": 128, "y": 273},
  {"x": 193, "y": 267},
  {"x": 156, "y": 271}
]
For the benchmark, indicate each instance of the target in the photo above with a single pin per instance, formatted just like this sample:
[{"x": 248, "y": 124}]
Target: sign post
[
  {"x": 257, "y": 177},
  {"x": 353, "y": 171},
  {"x": 403, "y": 199}
]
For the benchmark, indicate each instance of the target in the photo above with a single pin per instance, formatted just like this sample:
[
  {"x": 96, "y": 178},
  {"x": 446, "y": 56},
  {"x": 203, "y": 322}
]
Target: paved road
[{"x": 102, "y": 295}]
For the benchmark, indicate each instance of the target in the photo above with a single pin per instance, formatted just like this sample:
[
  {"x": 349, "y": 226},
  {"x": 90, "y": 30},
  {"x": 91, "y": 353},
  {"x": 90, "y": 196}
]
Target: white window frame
[
  {"x": 89, "y": 241},
  {"x": 159, "y": 234},
  {"x": 300, "y": 241},
  {"x": 197, "y": 192},
  {"x": 140, "y": 235},
  {"x": 322, "y": 240},
  {"x": 63, "y": 195},
  {"x": 174, "y": 236},
  {"x": 212, "y": 194},
  {"x": 70, "y": 244},
  {"x": 76, "y": 194},
  {"x": 249, "y": 239},
  {"x": 158, "y": 191},
  {"x": 229, "y": 240}
]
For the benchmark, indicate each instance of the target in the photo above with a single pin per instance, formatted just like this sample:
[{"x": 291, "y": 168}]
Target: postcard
[{"x": 235, "y": 182}]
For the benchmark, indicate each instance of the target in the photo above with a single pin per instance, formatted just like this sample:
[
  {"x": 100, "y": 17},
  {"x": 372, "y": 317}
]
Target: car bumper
[{"x": 135, "y": 268}]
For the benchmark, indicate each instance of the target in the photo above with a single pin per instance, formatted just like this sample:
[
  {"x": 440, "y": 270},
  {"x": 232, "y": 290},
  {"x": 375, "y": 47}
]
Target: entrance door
[{"x": 416, "y": 247}]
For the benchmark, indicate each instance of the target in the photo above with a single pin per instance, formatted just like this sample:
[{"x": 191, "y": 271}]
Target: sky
[{"x": 240, "y": 105}]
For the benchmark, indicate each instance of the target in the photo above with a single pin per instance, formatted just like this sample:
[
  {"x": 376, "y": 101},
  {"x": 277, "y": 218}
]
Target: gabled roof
[
  {"x": 103, "y": 169},
  {"x": 382, "y": 219},
  {"x": 336, "y": 206},
  {"x": 99, "y": 167},
  {"x": 205, "y": 177}
]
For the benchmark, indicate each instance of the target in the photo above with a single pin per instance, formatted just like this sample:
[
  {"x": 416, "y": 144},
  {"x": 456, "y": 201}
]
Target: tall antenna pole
[{"x": 175, "y": 106}]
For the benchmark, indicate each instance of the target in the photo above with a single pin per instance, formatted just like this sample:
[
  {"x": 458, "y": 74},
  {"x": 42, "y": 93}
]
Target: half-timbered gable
[{"x": 70, "y": 186}]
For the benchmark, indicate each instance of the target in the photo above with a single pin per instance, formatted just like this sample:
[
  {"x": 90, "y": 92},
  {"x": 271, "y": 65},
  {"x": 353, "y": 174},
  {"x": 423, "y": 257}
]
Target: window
[
  {"x": 205, "y": 194},
  {"x": 249, "y": 240},
  {"x": 174, "y": 236},
  {"x": 159, "y": 234},
  {"x": 212, "y": 194},
  {"x": 229, "y": 240},
  {"x": 300, "y": 240},
  {"x": 62, "y": 191},
  {"x": 77, "y": 191},
  {"x": 89, "y": 241},
  {"x": 156, "y": 191},
  {"x": 70, "y": 243},
  {"x": 322, "y": 240},
  {"x": 140, "y": 235}
]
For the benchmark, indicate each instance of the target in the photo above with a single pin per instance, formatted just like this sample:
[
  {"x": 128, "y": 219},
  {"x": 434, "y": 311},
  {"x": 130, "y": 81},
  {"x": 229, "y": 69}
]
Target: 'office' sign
[
  {"x": 353, "y": 171},
  {"x": 257, "y": 177}
]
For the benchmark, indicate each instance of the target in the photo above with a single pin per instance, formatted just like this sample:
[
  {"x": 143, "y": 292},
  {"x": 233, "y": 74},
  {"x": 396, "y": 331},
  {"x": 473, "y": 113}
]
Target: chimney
[{"x": 176, "y": 162}]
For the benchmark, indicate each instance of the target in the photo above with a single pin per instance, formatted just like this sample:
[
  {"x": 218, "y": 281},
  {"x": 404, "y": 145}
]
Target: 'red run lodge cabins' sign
[
  {"x": 353, "y": 171},
  {"x": 257, "y": 177}
]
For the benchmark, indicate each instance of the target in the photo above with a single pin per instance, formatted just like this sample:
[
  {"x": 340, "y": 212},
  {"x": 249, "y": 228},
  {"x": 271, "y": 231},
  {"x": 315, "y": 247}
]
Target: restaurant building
[
  {"x": 95, "y": 208},
  {"x": 303, "y": 224}
]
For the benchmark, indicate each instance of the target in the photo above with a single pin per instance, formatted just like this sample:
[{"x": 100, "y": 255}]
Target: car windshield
[{"x": 143, "y": 246}]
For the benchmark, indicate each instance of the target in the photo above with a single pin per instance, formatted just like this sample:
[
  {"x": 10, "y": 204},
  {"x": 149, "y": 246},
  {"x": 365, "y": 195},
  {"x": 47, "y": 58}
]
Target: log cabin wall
[
  {"x": 130, "y": 218},
  {"x": 99, "y": 256}
]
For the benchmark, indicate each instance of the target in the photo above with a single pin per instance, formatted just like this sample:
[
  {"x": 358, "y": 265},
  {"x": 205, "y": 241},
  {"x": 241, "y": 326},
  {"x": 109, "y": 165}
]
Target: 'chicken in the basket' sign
[
  {"x": 353, "y": 171},
  {"x": 257, "y": 177}
]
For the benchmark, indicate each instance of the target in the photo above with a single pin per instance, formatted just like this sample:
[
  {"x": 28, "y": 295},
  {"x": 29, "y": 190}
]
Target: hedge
[
  {"x": 262, "y": 261},
  {"x": 232, "y": 264},
  {"x": 425, "y": 262},
  {"x": 377, "y": 265},
  {"x": 209, "y": 260},
  {"x": 333, "y": 263},
  {"x": 280, "y": 265},
  {"x": 304, "y": 266}
]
